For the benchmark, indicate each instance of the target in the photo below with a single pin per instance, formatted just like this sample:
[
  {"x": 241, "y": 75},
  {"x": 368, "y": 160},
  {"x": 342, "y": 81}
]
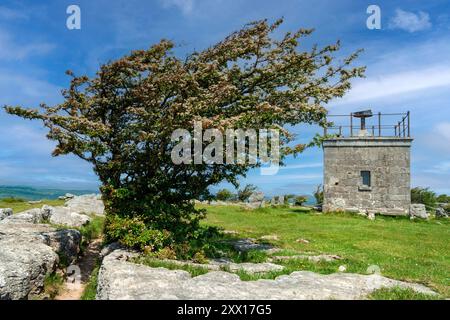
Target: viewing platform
[{"x": 389, "y": 126}]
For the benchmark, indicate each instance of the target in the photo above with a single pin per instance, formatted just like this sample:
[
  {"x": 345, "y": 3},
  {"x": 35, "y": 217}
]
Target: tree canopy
[
  {"x": 245, "y": 193},
  {"x": 224, "y": 195},
  {"x": 121, "y": 119},
  {"x": 424, "y": 196}
]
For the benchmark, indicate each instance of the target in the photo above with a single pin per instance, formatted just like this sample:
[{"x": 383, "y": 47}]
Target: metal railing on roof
[{"x": 401, "y": 128}]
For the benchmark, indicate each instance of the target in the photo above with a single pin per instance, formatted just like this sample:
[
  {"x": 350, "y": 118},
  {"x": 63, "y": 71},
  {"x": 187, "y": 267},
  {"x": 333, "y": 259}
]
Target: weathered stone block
[
  {"x": 418, "y": 211},
  {"x": 387, "y": 159}
]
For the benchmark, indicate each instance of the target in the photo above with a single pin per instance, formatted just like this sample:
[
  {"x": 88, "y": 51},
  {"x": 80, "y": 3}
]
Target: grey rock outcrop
[
  {"x": 88, "y": 203},
  {"x": 250, "y": 244},
  {"x": 28, "y": 216},
  {"x": 5, "y": 213},
  {"x": 248, "y": 267},
  {"x": 370, "y": 214},
  {"x": 256, "y": 200},
  {"x": 270, "y": 237},
  {"x": 418, "y": 211},
  {"x": 67, "y": 196},
  {"x": 23, "y": 266},
  {"x": 440, "y": 213},
  {"x": 34, "y": 201},
  {"x": 277, "y": 200},
  {"x": 64, "y": 242},
  {"x": 65, "y": 216},
  {"x": 28, "y": 253},
  {"x": 110, "y": 248},
  {"x": 224, "y": 264},
  {"x": 121, "y": 279},
  {"x": 30, "y": 250},
  {"x": 56, "y": 215},
  {"x": 256, "y": 197}
]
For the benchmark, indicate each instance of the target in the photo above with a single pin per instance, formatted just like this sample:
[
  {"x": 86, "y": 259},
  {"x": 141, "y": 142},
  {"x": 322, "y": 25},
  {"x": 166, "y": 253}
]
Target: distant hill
[{"x": 30, "y": 193}]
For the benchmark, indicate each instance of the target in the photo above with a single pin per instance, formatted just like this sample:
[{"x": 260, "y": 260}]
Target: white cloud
[
  {"x": 31, "y": 138},
  {"x": 11, "y": 50},
  {"x": 57, "y": 179},
  {"x": 435, "y": 147},
  {"x": 186, "y": 6},
  {"x": 439, "y": 138},
  {"x": 438, "y": 182},
  {"x": 26, "y": 160},
  {"x": 442, "y": 167},
  {"x": 400, "y": 70},
  {"x": 10, "y": 14},
  {"x": 410, "y": 21},
  {"x": 443, "y": 131},
  {"x": 16, "y": 89},
  {"x": 390, "y": 84}
]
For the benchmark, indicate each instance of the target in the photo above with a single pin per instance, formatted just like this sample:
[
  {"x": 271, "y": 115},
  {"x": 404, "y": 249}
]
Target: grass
[
  {"x": 93, "y": 230},
  {"x": 255, "y": 256},
  {"x": 415, "y": 251},
  {"x": 245, "y": 276},
  {"x": 19, "y": 205},
  {"x": 12, "y": 200},
  {"x": 397, "y": 293},
  {"x": 90, "y": 290},
  {"x": 290, "y": 266},
  {"x": 223, "y": 248},
  {"x": 52, "y": 284}
]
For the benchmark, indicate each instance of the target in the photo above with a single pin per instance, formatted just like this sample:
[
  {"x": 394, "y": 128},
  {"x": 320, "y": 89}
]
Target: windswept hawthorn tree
[{"x": 122, "y": 119}]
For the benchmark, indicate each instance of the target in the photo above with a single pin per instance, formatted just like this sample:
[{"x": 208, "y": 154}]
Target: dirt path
[{"x": 74, "y": 291}]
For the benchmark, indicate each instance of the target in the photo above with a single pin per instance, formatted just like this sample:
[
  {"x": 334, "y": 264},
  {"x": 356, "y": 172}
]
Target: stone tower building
[{"x": 368, "y": 170}]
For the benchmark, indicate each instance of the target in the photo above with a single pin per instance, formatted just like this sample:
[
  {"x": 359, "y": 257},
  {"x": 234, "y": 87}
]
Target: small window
[{"x": 365, "y": 175}]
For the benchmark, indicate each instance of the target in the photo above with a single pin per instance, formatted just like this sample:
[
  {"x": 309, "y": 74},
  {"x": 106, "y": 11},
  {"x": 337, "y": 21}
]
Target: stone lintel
[{"x": 367, "y": 142}]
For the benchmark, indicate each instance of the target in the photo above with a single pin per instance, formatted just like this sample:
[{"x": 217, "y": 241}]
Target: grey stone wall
[{"x": 388, "y": 160}]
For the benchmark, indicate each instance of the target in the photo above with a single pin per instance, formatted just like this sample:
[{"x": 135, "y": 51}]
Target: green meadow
[{"x": 415, "y": 251}]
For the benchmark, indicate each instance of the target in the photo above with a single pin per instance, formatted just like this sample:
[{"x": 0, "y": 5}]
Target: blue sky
[{"x": 408, "y": 68}]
